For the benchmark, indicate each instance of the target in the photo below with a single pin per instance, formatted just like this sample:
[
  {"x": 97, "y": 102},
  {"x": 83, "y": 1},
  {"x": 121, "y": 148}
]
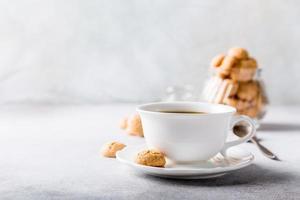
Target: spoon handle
[{"x": 264, "y": 150}]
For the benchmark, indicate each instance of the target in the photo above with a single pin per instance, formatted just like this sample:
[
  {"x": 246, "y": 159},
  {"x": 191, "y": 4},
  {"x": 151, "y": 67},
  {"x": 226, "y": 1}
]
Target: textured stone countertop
[{"x": 52, "y": 152}]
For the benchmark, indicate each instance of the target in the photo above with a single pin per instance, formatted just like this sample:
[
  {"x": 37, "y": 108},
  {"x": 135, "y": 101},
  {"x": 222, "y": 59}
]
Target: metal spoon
[{"x": 241, "y": 131}]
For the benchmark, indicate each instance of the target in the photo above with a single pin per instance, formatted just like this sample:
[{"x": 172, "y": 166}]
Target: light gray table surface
[{"x": 52, "y": 152}]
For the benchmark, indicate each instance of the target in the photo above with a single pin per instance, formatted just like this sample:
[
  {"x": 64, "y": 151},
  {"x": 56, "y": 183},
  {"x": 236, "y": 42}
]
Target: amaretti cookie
[
  {"x": 238, "y": 52},
  {"x": 235, "y": 65},
  {"x": 110, "y": 149},
  {"x": 151, "y": 157},
  {"x": 134, "y": 125},
  {"x": 217, "y": 60},
  {"x": 247, "y": 90},
  {"x": 228, "y": 63},
  {"x": 244, "y": 71}
]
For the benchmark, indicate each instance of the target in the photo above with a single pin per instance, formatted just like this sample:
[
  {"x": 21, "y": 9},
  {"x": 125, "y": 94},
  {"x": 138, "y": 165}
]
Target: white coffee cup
[{"x": 185, "y": 137}]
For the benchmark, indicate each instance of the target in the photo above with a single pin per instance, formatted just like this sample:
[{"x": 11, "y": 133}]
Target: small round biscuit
[
  {"x": 248, "y": 90},
  {"x": 249, "y": 63},
  {"x": 217, "y": 60},
  {"x": 238, "y": 52},
  {"x": 228, "y": 63},
  {"x": 242, "y": 105},
  {"x": 223, "y": 74},
  {"x": 134, "y": 125},
  {"x": 110, "y": 149},
  {"x": 152, "y": 158},
  {"x": 242, "y": 74}
]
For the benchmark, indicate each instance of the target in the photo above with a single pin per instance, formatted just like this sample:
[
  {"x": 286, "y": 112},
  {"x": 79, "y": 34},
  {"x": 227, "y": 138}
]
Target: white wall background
[{"x": 90, "y": 51}]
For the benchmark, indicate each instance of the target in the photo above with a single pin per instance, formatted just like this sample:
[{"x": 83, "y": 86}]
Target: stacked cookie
[
  {"x": 234, "y": 84},
  {"x": 236, "y": 65}
]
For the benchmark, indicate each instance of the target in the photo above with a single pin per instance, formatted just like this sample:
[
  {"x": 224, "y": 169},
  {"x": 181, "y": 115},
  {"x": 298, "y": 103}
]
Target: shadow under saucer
[{"x": 252, "y": 174}]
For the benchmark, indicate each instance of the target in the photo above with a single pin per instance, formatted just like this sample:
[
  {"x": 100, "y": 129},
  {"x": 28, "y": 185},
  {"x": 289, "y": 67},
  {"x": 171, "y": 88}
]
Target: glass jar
[{"x": 248, "y": 97}]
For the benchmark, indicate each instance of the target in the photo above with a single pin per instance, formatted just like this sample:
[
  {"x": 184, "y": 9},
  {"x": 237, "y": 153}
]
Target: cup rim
[{"x": 143, "y": 108}]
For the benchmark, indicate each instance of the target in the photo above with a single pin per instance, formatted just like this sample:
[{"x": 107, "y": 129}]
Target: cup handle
[{"x": 234, "y": 121}]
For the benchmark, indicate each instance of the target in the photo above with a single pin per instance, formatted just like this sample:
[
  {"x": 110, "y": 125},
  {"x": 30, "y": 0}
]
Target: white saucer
[{"x": 237, "y": 158}]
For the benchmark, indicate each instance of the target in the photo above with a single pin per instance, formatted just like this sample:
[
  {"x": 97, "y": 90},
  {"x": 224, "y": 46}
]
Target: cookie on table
[
  {"x": 123, "y": 123},
  {"x": 153, "y": 158},
  {"x": 110, "y": 149},
  {"x": 134, "y": 125}
]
